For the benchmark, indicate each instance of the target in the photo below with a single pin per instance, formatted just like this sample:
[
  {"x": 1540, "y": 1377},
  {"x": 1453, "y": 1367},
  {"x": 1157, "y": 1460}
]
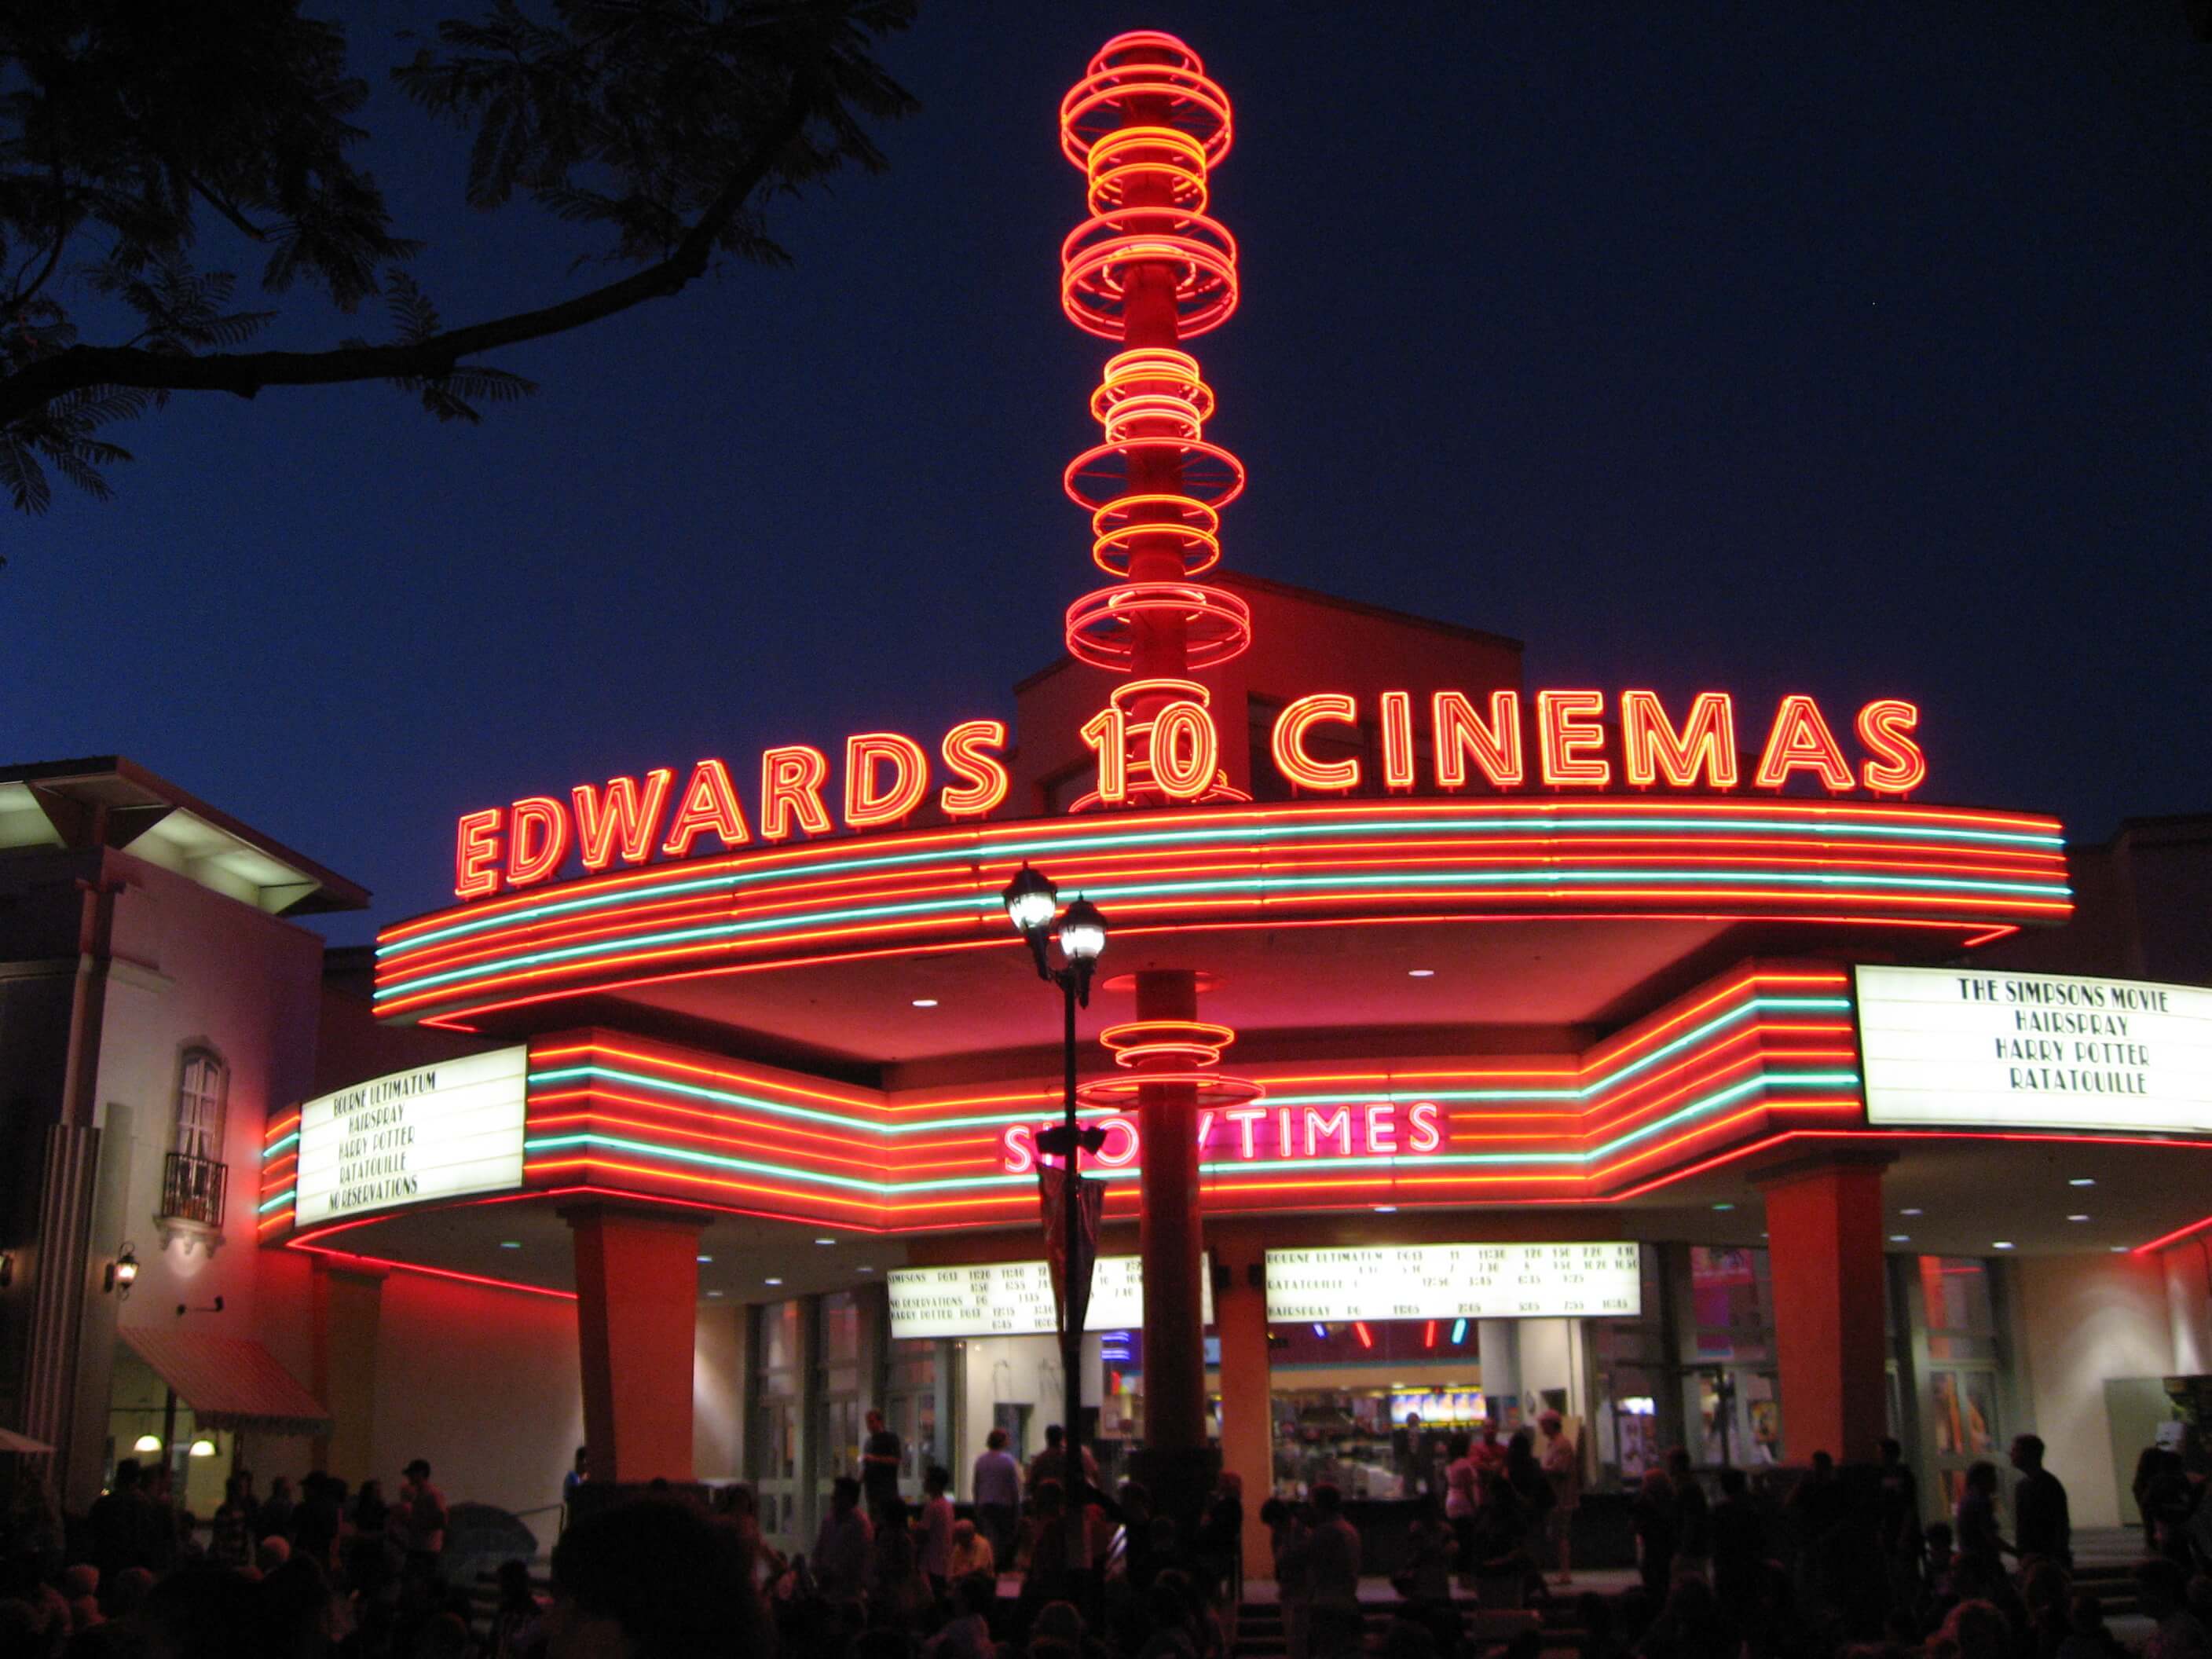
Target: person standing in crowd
[
  {"x": 2041, "y": 1525},
  {"x": 1488, "y": 1452},
  {"x": 934, "y": 1529},
  {"x": 365, "y": 1551},
  {"x": 1693, "y": 1541},
  {"x": 1333, "y": 1576},
  {"x": 274, "y": 1519},
  {"x": 1288, "y": 1542},
  {"x": 844, "y": 1546},
  {"x": 1900, "y": 1523},
  {"x": 997, "y": 1486},
  {"x": 1562, "y": 1470},
  {"x": 319, "y": 1519},
  {"x": 123, "y": 1524},
  {"x": 1463, "y": 1493},
  {"x": 1049, "y": 1579},
  {"x": 1975, "y": 1520},
  {"x": 579, "y": 1472},
  {"x": 1654, "y": 1513},
  {"x": 1738, "y": 1539},
  {"x": 881, "y": 1453},
  {"x": 230, "y": 1540},
  {"x": 1051, "y": 1463},
  {"x": 419, "y": 1520}
]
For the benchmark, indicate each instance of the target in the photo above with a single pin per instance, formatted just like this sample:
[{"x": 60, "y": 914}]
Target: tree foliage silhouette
[{"x": 129, "y": 131}]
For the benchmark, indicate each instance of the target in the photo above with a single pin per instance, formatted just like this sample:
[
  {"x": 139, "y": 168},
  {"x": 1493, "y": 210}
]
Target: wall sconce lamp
[{"x": 123, "y": 1272}]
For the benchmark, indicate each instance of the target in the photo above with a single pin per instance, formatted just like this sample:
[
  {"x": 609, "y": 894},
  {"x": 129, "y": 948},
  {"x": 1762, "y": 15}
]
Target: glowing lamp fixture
[
  {"x": 1083, "y": 931},
  {"x": 123, "y": 1272},
  {"x": 147, "y": 1442},
  {"x": 203, "y": 1447},
  {"x": 1031, "y": 899}
]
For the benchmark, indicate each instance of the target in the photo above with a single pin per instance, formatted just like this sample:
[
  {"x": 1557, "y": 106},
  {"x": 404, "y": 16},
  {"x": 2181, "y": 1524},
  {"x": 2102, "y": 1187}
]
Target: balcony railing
[{"x": 193, "y": 1190}]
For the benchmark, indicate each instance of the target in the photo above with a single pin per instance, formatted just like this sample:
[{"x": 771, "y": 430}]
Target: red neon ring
[
  {"x": 1100, "y": 624},
  {"x": 1120, "y": 1091},
  {"x": 1197, "y": 525},
  {"x": 1210, "y": 474}
]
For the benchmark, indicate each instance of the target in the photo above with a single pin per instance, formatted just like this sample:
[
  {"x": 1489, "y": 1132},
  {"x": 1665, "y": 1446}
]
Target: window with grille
[{"x": 201, "y": 1085}]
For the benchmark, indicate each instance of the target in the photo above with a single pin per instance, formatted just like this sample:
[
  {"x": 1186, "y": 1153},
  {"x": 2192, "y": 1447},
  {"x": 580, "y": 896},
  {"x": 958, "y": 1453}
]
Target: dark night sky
[{"x": 1860, "y": 349}]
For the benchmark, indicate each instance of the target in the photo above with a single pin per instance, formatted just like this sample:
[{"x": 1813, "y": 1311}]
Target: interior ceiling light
[
  {"x": 1900, "y": 1238},
  {"x": 825, "y": 1241},
  {"x": 2082, "y": 1181},
  {"x": 1420, "y": 973},
  {"x": 147, "y": 1442},
  {"x": 925, "y": 1002},
  {"x": 2002, "y": 1244},
  {"x": 510, "y": 1243},
  {"x": 1723, "y": 1207},
  {"x": 1910, "y": 1211},
  {"x": 706, "y": 1258},
  {"x": 2077, "y": 1218},
  {"x": 772, "y": 1281}
]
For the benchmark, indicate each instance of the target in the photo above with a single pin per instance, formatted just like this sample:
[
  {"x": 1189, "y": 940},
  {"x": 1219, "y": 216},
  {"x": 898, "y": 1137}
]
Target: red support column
[
  {"x": 1169, "y": 1234},
  {"x": 1824, "y": 1250},
  {"x": 1248, "y": 1429},
  {"x": 637, "y": 1298}
]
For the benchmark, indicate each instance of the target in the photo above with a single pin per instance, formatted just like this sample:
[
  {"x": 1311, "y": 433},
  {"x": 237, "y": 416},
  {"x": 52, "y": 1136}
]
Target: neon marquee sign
[
  {"x": 1558, "y": 740},
  {"x": 1260, "y": 1134}
]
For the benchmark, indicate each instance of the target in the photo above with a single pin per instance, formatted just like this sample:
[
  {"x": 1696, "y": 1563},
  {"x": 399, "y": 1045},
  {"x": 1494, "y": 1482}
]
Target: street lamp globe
[
  {"x": 1030, "y": 899},
  {"x": 1083, "y": 932}
]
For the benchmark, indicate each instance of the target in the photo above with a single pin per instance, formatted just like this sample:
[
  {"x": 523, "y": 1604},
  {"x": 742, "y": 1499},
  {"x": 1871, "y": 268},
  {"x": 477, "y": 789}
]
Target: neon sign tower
[{"x": 1151, "y": 270}]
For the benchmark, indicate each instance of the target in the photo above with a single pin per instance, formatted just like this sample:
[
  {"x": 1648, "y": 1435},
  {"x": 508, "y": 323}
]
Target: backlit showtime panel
[
  {"x": 1233, "y": 866},
  {"x": 1455, "y": 1281},
  {"x": 1014, "y": 1299}
]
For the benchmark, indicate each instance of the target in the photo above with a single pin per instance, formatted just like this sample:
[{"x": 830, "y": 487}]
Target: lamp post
[{"x": 1031, "y": 902}]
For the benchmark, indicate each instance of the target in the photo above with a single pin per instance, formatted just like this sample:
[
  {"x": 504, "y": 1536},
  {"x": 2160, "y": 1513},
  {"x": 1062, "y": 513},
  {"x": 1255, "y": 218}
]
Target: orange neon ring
[
  {"x": 1096, "y": 105},
  {"x": 1201, "y": 1042},
  {"x": 1160, "y": 152},
  {"x": 1093, "y": 255},
  {"x": 1200, "y": 528},
  {"x": 1210, "y": 474},
  {"x": 1099, "y": 624},
  {"x": 1120, "y": 1091}
]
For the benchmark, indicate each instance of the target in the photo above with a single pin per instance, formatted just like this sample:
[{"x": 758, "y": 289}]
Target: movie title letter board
[
  {"x": 1455, "y": 1281},
  {"x": 2045, "y": 1051},
  {"x": 441, "y": 1131}
]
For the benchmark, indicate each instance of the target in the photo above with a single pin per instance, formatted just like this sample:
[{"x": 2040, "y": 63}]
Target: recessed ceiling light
[
  {"x": 706, "y": 1258},
  {"x": 825, "y": 1241},
  {"x": 2002, "y": 1244},
  {"x": 510, "y": 1243},
  {"x": 865, "y": 1268},
  {"x": 1910, "y": 1211},
  {"x": 714, "y": 1293},
  {"x": 2119, "y": 1250},
  {"x": 1900, "y": 1238},
  {"x": 1420, "y": 973},
  {"x": 772, "y": 1281},
  {"x": 1386, "y": 1209},
  {"x": 925, "y": 1002},
  {"x": 1723, "y": 1207},
  {"x": 2082, "y": 1181},
  {"x": 2077, "y": 1218}
]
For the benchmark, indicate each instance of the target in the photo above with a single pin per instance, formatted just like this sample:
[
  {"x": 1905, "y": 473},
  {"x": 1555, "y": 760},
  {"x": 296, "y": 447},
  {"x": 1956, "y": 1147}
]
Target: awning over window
[{"x": 229, "y": 1382}]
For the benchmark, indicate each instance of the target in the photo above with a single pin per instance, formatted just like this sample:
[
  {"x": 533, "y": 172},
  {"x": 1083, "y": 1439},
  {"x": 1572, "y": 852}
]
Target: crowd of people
[
  {"x": 303, "y": 1570},
  {"x": 1044, "y": 1564}
]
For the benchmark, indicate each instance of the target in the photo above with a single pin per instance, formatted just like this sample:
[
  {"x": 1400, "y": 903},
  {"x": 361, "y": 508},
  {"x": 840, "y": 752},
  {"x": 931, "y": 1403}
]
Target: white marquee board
[
  {"x": 447, "y": 1130},
  {"x": 1946, "y": 1047}
]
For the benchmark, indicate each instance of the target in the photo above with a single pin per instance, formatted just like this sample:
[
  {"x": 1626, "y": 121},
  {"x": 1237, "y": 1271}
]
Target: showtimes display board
[
  {"x": 1014, "y": 1299},
  {"x": 447, "y": 1130},
  {"x": 1968, "y": 1048},
  {"x": 1455, "y": 1281}
]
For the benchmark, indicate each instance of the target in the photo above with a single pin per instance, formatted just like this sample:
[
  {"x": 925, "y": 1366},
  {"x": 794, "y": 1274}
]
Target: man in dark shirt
[
  {"x": 2040, "y": 1524},
  {"x": 124, "y": 1523},
  {"x": 880, "y": 1456},
  {"x": 1738, "y": 1540}
]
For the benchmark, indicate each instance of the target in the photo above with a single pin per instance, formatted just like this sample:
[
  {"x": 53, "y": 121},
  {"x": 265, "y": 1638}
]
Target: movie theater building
[{"x": 1462, "y": 1045}]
